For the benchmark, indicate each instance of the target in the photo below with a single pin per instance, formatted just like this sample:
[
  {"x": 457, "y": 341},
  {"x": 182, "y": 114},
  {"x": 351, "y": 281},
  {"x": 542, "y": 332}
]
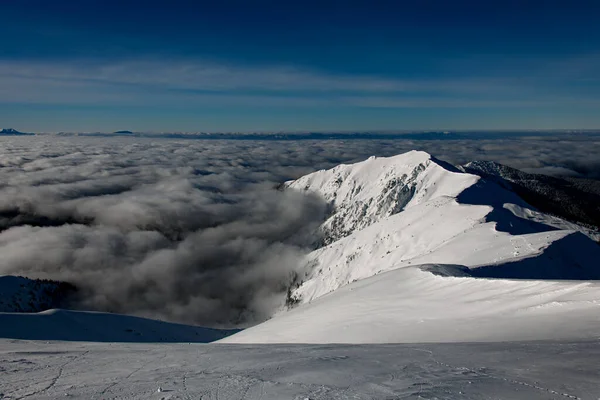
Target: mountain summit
[{"x": 367, "y": 192}]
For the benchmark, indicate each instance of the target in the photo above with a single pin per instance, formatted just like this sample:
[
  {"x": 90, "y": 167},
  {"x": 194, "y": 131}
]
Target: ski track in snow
[
  {"x": 477, "y": 373},
  {"x": 52, "y": 381},
  {"x": 126, "y": 378},
  {"x": 518, "y": 370}
]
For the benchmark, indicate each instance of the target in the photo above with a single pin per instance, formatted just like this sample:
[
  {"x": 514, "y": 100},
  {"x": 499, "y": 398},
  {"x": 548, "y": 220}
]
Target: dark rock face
[{"x": 348, "y": 217}]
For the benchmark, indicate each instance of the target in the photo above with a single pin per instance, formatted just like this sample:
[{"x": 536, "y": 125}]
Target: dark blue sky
[{"x": 287, "y": 65}]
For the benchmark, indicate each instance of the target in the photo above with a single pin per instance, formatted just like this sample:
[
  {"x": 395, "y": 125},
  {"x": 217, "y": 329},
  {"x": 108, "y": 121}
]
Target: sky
[{"x": 91, "y": 65}]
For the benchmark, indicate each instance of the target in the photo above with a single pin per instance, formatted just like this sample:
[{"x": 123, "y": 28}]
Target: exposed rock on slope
[{"x": 367, "y": 192}]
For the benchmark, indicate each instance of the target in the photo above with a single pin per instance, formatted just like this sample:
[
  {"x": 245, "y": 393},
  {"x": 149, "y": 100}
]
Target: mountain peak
[{"x": 363, "y": 193}]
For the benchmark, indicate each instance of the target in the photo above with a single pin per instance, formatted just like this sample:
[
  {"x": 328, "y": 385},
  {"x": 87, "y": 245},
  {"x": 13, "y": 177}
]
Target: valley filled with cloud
[{"x": 196, "y": 231}]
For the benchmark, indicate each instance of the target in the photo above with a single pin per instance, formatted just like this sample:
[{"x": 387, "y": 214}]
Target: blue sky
[{"x": 288, "y": 65}]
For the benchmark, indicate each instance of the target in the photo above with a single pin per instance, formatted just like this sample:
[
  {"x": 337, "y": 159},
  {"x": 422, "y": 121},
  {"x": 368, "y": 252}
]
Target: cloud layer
[{"x": 192, "y": 230}]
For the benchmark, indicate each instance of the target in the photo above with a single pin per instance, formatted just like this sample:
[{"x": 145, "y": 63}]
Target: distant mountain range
[
  {"x": 12, "y": 132},
  {"x": 367, "y": 135}
]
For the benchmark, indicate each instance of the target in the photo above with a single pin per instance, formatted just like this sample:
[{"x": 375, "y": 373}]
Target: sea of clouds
[{"x": 196, "y": 231}]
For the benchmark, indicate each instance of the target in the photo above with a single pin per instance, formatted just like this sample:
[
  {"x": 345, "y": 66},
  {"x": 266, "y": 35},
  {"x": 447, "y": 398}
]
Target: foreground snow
[{"x": 521, "y": 370}]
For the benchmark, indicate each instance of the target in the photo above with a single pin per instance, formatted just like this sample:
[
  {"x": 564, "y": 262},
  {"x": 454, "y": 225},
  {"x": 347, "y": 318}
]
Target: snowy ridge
[
  {"x": 391, "y": 243},
  {"x": 410, "y": 240},
  {"x": 411, "y": 209},
  {"x": 410, "y": 305}
]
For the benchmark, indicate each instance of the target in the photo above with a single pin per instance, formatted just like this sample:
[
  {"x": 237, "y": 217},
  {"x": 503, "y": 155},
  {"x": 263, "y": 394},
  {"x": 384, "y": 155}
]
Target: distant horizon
[{"x": 311, "y": 131}]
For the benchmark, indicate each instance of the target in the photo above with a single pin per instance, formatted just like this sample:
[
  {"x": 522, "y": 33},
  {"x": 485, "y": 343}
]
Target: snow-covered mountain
[
  {"x": 435, "y": 232},
  {"x": 11, "y": 132},
  {"x": 412, "y": 209}
]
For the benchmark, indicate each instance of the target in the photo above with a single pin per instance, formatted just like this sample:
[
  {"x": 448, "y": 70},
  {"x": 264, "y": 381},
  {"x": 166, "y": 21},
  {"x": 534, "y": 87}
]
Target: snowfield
[
  {"x": 428, "y": 282},
  {"x": 509, "y": 370},
  {"x": 410, "y": 305}
]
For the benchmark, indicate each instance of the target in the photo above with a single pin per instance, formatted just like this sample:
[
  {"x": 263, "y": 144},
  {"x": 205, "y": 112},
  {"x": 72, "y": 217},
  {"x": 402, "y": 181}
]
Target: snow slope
[
  {"x": 410, "y": 305},
  {"x": 26, "y": 313},
  {"x": 410, "y": 212},
  {"x": 100, "y": 327}
]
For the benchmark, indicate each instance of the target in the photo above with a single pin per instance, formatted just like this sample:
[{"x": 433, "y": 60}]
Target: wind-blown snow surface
[
  {"x": 410, "y": 305},
  {"x": 438, "y": 232},
  {"x": 518, "y": 370}
]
